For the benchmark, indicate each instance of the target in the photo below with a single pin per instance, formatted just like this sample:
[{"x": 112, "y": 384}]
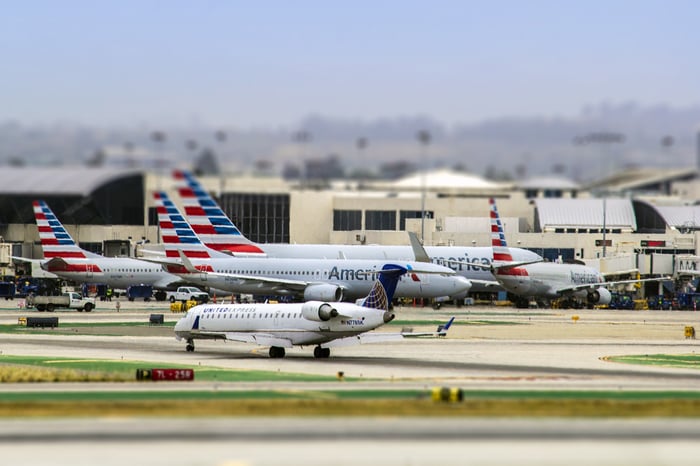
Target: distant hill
[{"x": 601, "y": 139}]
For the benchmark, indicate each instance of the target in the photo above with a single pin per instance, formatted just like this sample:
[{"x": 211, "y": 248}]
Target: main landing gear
[
  {"x": 190, "y": 345},
  {"x": 276, "y": 352},
  {"x": 321, "y": 353}
]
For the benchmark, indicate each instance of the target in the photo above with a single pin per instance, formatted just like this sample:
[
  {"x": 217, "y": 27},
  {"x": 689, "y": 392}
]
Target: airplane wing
[
  {"x": 379, "y": 337},
  {"x": 485, "y": 282},
  {"x": 493, "y": 267},
  {"x": 293, "y": 284},
  {"x": 592, "y": 286},
  {"x": 26, "y": 259}
]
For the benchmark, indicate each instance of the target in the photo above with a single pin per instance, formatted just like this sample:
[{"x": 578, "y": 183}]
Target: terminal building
[{"x": 645, "y": 222}]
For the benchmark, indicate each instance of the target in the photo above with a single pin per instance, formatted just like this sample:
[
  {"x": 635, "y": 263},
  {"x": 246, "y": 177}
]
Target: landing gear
[
  {"x": 190, "y": 345},
  {"x": 322, "y": 353},
  {"x": 276, "y": 352}
]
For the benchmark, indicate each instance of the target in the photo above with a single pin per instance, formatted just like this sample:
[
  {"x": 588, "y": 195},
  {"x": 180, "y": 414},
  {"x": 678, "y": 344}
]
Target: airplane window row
[
  {"x": 130, "y": 270},
  {"x": 279, "y": 272},
  {"x": 288, "y": 315}
]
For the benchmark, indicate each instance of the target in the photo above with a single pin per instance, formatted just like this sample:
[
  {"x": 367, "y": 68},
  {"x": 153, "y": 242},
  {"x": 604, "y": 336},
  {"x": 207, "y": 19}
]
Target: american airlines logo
[
  {"x": 582, "y": 277},
  {"x": 459, "y": 264},
  {"x": 352, "y": 274}
]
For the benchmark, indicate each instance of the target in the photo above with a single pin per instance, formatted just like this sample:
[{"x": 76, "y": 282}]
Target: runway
[{"x": 489, "y": 349}]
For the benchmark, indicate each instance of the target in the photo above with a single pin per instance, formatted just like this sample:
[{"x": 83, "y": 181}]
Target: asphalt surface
[{"x": 489, "y": 348}]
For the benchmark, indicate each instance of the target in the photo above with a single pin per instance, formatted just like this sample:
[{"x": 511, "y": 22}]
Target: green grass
[
  {"x": 690, "y": 361},
  {"x": 128, "y": 368}
]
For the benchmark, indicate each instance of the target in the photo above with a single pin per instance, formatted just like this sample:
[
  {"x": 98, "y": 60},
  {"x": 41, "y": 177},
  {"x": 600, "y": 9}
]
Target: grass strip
[
  {"x": 349, "y": 408},
  {"x": 126, "y": 370},
  {"x": 690, "y": 361}
]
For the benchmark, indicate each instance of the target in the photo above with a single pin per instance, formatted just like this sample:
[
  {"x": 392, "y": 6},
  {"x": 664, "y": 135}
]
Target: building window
[
  {"x": 552, "y": 193},
  {"x": 530, "y": 193},
  {"x": 404, "y": 214},
  {"x": 380, "y": 220},
  {"x": 347, "y": 220},
  {"x": 262, "y": 218}
]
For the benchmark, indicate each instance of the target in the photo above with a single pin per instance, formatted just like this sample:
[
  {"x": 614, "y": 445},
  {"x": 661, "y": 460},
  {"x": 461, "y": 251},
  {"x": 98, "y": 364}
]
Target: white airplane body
[
  {"x": 218, "y": 232},
  {"x": 311, "y": 323},
  {"x": 312, "y": 279},
  {"x": 65, "y": 259}
]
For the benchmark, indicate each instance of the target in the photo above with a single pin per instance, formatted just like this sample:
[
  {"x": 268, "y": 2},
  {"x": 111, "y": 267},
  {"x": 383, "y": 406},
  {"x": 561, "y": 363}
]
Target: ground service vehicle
[
  {"x": 70, "y": 300},
  {"x": 189, "y": 293}
]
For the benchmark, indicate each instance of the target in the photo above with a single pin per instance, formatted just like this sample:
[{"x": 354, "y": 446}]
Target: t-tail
[
  {"x": 209, "y": 221},
  {"x": 55, "y": 240},
  {"x": 382, "y": 292}
]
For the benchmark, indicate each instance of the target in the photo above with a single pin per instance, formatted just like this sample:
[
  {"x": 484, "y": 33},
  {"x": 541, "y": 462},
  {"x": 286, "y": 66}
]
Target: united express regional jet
[{"x": 317, "y": 323}]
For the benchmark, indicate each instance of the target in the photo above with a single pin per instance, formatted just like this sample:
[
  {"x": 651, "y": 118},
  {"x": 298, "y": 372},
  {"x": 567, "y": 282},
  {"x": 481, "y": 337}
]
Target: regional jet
[{"x": 317, "y": 323}]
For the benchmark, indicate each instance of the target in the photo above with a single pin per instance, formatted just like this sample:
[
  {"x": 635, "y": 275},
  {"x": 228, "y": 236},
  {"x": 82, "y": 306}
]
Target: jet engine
[
  {"x": 323, "y": 292},
  {"x": 599, "y": 296},
  {"x": 317, "y": 311}
]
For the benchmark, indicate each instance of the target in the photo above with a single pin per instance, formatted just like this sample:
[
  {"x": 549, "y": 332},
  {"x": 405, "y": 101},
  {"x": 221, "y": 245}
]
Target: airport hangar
[{"x": 649, "y": 215}]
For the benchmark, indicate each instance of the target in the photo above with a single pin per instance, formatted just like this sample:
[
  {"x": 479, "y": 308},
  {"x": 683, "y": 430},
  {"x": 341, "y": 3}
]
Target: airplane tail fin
[
  {"x": 55, "y": 240},
  {"x": 207, "y": 219},
  {"x": 382, "y": 292},
  {"x": 176, "y": 233},
  {"x": 501, "y": 253}
]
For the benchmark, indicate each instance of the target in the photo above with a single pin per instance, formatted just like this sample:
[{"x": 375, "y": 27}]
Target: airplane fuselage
[
  {"x": 546, "y": 279},
  {"x": 458, "y": 258},
  {"x": 284, "y": 321},
  {"x": 117, "y": 272},
  {"x": 354, "y": 277}
]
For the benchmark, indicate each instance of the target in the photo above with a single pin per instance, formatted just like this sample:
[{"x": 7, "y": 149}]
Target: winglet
[{"x": 418, "y": 249}]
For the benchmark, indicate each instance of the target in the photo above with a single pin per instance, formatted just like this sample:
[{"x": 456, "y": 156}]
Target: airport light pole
[
  {"x": 361, "y": 145},
  {"x": 221, "y": 137},
  {"x": 302, "y": 137},
  {"x": 424, "y": 139}
]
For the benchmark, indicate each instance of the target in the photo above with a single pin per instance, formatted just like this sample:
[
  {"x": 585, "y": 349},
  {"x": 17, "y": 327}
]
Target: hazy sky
[{"x": 270, "y": 63}]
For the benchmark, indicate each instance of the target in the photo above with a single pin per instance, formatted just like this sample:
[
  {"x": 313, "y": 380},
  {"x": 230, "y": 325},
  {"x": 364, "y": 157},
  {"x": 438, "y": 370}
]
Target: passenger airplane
[
  {"x": 547, "y": 280},
  {"x": 218, "y": 232},
  {"x": 310, "y": 279},
  {"x": 311, "y": 323},
  {"x": 63, "y": 257}
]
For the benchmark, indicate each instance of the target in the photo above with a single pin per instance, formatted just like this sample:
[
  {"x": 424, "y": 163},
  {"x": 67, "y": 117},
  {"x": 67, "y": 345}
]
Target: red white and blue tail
[
  {"x": 207, "y": 219},
  {"x": 503, "y": 263},
  {"x": 176, "y": 233},
  {"x": 501, "y": 253},
  {"x": 55, "y": 240}
]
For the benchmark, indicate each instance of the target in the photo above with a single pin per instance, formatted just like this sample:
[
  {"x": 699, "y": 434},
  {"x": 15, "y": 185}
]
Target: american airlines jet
[
  {"x": 218, "y": 232},
  {"x": 63, "y": 257},
  {"x": 574, "y": 283},
  {"x": 310, "y": 279},
  {"x": 317, "y": 323}
]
